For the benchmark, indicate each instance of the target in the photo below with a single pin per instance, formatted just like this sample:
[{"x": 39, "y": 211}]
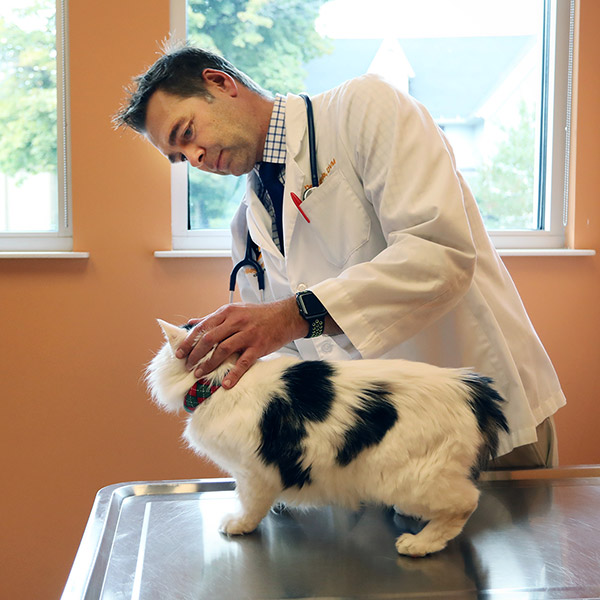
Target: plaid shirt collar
[{"x": 274, "y": 150}]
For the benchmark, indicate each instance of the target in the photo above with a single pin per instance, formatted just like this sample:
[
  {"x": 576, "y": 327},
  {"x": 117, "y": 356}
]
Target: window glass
[
  {"x": 477, "y": 65},
  {"x": 270, "y": 41},
  {"x": 29, "y": 186}
]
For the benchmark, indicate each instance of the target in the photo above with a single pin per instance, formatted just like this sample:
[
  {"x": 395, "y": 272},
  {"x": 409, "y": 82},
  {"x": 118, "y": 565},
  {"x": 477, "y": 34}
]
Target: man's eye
[
  {"x": 187, "y": 134},
  {"x": 182, "y": 157}
]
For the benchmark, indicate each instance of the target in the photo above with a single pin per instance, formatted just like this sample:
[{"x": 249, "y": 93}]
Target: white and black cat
[{"x": 311, "y": 433}]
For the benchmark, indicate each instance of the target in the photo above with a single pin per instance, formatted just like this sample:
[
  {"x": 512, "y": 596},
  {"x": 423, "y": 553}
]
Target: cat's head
[{"x": 167, "y": 377}]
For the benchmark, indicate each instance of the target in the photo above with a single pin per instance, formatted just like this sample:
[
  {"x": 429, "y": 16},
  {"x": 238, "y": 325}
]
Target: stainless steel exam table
[{"x": 535, "y": 534}]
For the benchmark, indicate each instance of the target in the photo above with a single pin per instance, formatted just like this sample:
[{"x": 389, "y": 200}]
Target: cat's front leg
[{"x": 256, "y": 498}]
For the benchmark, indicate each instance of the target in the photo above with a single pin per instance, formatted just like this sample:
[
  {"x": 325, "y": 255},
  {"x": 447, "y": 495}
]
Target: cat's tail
[{"x": 486, "y": 404}]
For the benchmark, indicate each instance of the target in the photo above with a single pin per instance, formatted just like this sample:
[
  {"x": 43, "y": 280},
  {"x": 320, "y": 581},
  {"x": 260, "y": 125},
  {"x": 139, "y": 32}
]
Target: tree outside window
[{"x": 28, "y": 119}]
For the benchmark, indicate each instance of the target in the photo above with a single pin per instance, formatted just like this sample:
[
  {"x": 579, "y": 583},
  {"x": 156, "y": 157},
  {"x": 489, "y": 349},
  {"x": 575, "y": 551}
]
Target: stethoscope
[{"x": 252, "y": 250}]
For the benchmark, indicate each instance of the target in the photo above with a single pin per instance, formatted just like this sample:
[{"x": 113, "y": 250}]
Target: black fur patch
[
  {"x": 309, "y": 387},
  {"x": 282, "y": 434},
  {"x": 486, "y": 404},
  {"x": 375, "y": 416},
  {"x": 309, "y": 394}
]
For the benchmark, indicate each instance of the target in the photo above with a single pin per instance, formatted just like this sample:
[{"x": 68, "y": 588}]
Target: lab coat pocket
[{"x": 338, "y": 221}]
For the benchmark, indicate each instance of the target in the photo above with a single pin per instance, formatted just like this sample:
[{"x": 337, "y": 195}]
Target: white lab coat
[{"x": 396, "y": 250}]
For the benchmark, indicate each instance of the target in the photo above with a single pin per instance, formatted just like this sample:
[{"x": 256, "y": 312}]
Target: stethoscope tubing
[
  {"x": 312, "y": 145},
  {"x": 248, "y": 261}
]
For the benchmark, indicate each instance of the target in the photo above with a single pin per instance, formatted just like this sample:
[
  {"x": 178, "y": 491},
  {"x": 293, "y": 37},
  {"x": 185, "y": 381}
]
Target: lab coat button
[
  {"x": 327, "y": 347},
  {"x": 301, "y": 287}
]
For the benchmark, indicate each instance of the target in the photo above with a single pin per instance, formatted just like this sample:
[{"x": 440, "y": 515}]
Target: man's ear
[{"x": 220, "y": 81}]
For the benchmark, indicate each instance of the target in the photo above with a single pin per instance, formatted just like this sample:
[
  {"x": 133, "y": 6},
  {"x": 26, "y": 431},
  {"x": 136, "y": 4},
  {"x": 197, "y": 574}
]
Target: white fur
[{"x": 422, "y": 465}]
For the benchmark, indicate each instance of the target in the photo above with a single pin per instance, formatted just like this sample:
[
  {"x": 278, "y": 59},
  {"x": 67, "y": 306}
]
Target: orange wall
[{"x": 76, "y": 333}]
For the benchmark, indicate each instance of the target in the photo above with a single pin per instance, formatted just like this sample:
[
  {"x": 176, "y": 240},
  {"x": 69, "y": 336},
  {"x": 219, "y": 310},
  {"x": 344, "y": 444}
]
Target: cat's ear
[{"x": 175, "y": 335}]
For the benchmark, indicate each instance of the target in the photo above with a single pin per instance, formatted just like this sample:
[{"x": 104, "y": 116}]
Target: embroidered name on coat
[{"x": 323, "y": 174}]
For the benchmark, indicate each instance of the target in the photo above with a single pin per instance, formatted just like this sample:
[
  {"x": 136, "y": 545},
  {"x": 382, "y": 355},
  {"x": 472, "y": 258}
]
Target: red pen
[{"x": 298, "y": 202}]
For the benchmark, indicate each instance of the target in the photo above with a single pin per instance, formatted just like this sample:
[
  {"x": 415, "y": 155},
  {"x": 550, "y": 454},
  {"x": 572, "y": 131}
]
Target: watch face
[{"x": 312, "y": 305}]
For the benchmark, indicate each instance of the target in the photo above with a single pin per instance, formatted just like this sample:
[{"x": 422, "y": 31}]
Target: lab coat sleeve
[{"x": 409, "y": 176}]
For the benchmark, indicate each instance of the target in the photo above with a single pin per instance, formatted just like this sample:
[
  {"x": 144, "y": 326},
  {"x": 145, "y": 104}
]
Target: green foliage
[
  {"x": 213, "y": 199},
  {"x": 270, "y": 40},
  {"x": 28, "y": 90},
  {"x": 504, "y": 185}
]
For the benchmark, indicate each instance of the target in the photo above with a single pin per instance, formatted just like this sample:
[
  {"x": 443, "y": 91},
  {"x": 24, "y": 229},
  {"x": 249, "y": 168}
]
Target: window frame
[
  {"x": 557, "y": 102},
  {"x": 62, "y": 239}
]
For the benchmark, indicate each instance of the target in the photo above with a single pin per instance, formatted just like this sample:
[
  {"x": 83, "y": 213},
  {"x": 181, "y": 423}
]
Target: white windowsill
[
  {"x": 193, "y": 254},
  {"x": 43, "y": 254},
  {"x": 565, "y": 252},
  {"x": 546, "y": 252}
]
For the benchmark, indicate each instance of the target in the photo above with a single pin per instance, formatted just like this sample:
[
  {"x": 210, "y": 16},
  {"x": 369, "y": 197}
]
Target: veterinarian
[{"x": 388, "y": 257}]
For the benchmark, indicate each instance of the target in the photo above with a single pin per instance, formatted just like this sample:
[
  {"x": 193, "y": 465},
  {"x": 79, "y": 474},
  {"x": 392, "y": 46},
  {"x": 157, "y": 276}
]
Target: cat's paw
[
  {"x": 237, "y": 524},
  {"x": 413, "y": 545}
]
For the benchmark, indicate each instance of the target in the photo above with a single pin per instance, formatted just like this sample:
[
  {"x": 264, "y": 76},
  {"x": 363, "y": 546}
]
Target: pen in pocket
[{"x": 298, "y": 202}]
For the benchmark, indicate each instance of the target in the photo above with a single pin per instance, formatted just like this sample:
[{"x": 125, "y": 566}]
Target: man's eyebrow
[
  {"x": 173, "y": 138},
  {"x": 174, "y": 131}
]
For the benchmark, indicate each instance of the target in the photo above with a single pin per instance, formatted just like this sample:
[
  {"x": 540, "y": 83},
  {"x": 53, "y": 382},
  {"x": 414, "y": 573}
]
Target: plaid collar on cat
[{"x": 198, "y": 393}]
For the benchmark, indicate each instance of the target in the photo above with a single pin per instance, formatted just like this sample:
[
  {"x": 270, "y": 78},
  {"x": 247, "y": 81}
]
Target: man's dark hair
[{"x": 177, "y": 72}]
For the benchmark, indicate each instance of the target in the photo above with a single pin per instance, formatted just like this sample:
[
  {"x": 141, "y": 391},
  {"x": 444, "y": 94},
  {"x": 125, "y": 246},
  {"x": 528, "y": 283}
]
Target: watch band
[{"x": 316, "y": 327}]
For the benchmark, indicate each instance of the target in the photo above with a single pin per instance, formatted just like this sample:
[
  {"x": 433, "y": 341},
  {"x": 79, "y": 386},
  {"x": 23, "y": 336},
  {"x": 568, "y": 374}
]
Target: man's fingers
[
  {"x": 222, "y": 351},
  {"x": 190, "y": 342},
  {"x": 195, "y": 346},
  {"x": 249, "y": 331},
  {"x": 205, "y": 342},
  {"x": 244, "y": 362}
]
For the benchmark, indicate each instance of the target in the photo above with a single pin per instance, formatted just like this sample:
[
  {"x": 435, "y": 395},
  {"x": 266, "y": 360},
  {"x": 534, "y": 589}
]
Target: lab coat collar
[
  {"x": 295, "y": 124},
  {"x": 297, "y": 169}
]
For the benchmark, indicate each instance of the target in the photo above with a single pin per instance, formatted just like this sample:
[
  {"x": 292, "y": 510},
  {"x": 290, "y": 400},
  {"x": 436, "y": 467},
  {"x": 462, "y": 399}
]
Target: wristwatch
[{"x": 312, "y": 311}]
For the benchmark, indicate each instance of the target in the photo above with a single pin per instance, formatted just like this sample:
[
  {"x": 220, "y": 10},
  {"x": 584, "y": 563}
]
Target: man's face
[{"x": 216, "y": 135}]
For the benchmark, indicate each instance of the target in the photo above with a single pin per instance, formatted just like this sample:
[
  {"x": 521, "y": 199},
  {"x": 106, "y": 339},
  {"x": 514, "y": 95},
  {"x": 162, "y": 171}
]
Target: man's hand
[{"x": 250, "y": 330}]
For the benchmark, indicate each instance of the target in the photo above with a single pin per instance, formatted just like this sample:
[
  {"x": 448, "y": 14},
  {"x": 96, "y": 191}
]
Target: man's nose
[{"x": 194, "y": 156}]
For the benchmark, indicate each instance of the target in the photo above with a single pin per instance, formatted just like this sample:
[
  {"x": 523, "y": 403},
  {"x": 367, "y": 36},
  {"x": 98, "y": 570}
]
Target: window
[
  {"x": 34, "y": 211},
  {"x": 496, "y": 84}
]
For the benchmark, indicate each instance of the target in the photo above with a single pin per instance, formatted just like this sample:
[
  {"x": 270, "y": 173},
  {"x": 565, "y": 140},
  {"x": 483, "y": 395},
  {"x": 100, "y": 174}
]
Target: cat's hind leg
[
  {"x": 255, "y": 498},
  {"x": 445, "y": 522}
]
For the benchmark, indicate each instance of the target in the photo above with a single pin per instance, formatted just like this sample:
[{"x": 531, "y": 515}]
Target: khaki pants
[{"x": 539, "y": 455}]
